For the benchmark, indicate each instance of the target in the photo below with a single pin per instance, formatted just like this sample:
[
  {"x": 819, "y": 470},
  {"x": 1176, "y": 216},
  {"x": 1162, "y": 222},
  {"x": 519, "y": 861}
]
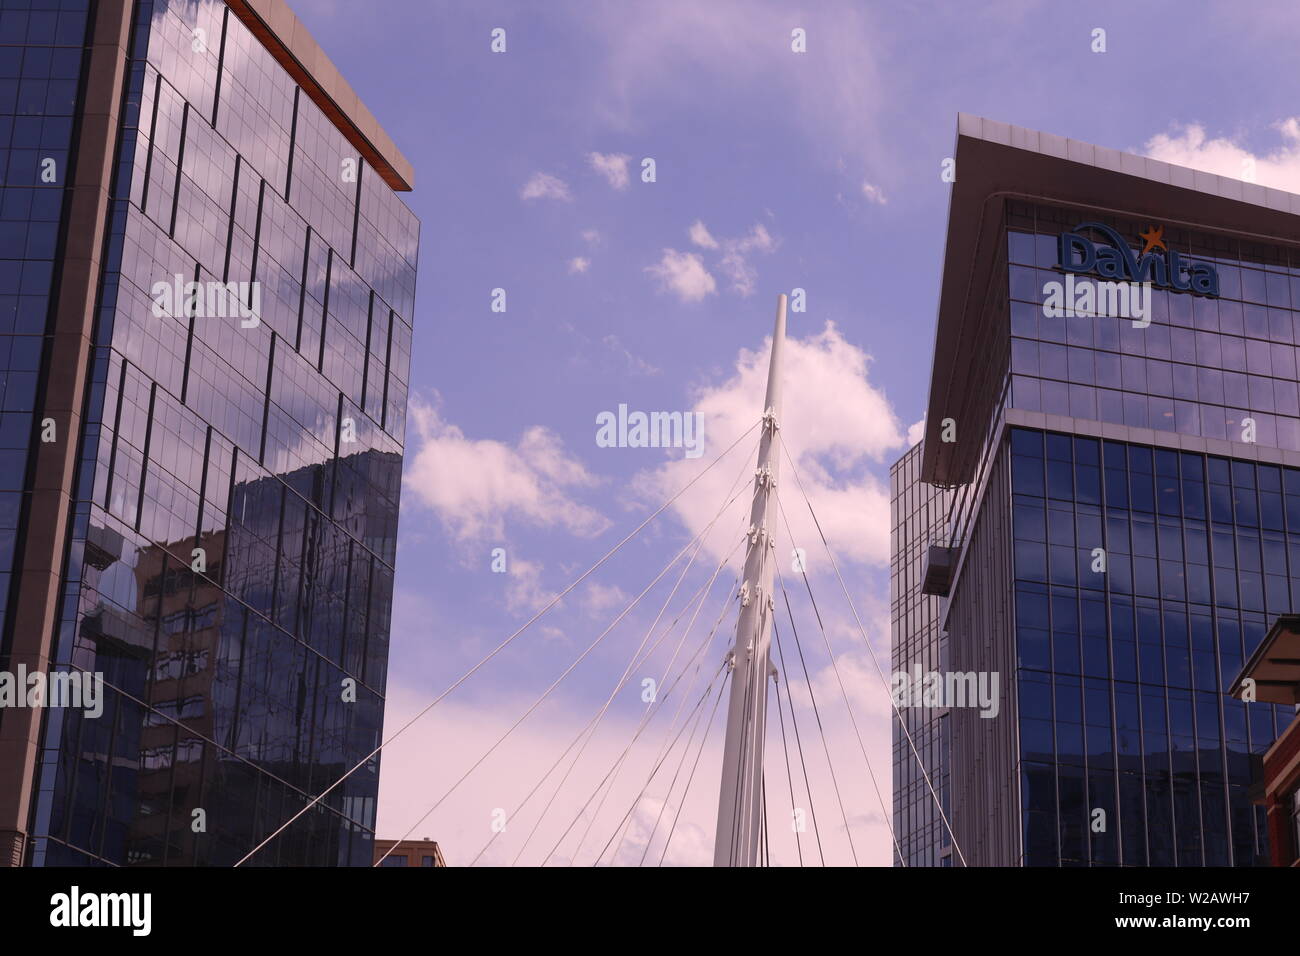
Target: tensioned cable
[
  {"x": 500, "y": 647},
  {"x": 785, "y": 749},
  {"x": 651, "y": 711},
  {"x": 681, "y": 804},
  {"x": 700, "y": 593},
  {"x": 595, "y": 725},
  {"x": 556, "y": 683},
  {"x": 853, "y": 607},
  {"x": 885, "y": 812},
  {"x": 821, "y": 732},
  {"x": 798, "y": 742},
  {"x": 181, "y": 725},
  {"x": 665, "y": 747},
  {"x": 588, "y": 731},
  {"x": 686, "y": 750},
  {"x": 707, "y": 690}
]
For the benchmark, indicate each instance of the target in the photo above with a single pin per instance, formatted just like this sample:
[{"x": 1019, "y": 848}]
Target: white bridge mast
[{"x": 740, "y": 801}]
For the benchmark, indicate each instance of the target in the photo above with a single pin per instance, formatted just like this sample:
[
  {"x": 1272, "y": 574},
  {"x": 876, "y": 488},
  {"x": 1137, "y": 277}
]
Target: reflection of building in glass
[
  {"x": 917, "y": 511},
  {"x": 217, "y": 533},
  {"x": 1273, "y": 676},
  {"x": 1122, "y": 522}
]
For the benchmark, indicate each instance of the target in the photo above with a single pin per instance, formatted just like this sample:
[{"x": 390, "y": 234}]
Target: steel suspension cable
[
  {"x": 705, "y": 696},
  {"x": 665, "y": 746},
  {"x": 686, "y": 792},
  {"x": 888, "y": 817},
  {"x": 866, "y": 640},
  {"x": 673, "y": 783},
  {"x": 588, "y": 731},
  {"x": 492, "y": 654},
  {"x": 785, "y": 750},
  {"x": 594, "y": 726},
  {"x": 556, "y": 683},
  {"x": 648, "y": 715},
  {"x": 650, "y": 712},
  {"x": 822, "y": 733},
  {"x": 794, "y": 721}
]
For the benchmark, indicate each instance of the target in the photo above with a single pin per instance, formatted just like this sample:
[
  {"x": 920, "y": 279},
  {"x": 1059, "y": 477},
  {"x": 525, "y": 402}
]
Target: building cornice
[
  {"x": 282, "y": 34},
  {"x": 997, "y": 162}
]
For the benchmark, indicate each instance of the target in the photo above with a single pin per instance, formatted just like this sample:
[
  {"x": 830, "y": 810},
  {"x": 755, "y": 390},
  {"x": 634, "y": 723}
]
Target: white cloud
[
  {"x": 598, "y": 600},
  {"x": 613, "y": 166},
  {"x": 591, "y": 236},
  {"x": 683, "y": 274},
  {"x": 524, "y": 590},
  {"x": 874, "y": 194},
  {"x": 662, "y": 55},
  {"x": 700, "y": 235},
  {"x": 460, "y": 730},
  {"x": 635, "y": 363},
  {"x": 545, "y": 186},
  {"x": 835, "y": 423},
  {"x": 735, "y": 262},
  {"x": 475, "y": 485},
  {"x": 915, "y": 432},
  {"x": 1190, "y": 146},
  {"x": 579, "y": 264}
]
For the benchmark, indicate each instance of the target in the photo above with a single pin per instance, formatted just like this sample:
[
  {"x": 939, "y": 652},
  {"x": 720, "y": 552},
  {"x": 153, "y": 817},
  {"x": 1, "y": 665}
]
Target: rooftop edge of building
[
  {"x": 1000, "y": 161},
  {"x": 292, "y": 45}
]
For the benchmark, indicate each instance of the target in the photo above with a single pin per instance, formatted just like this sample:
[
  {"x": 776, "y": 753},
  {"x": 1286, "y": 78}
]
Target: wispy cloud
[
  {"x": 735, "y": 258},
  {"x": 635, "y": 363},
  {"x": 613, "y": 166},
  {"x": 734, "y": 262},
  {"x": 684, "y": 275},
  {"x": 579, "y": 264},
  {"x": 545, "y": 186},
  {"x": 666, "y": 53},
  {"x": 701, "y": 236}
]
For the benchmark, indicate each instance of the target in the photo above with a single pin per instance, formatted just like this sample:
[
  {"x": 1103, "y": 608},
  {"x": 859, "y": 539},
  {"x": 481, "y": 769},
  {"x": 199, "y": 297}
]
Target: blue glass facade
[
  {"x": 1202, "y": 367},
  {"x": 1143, "y": 579},
  {"x": 229, "y": 567},
  {"x": 1125, "y": 528},
  {"x": 40, "y": 74}
]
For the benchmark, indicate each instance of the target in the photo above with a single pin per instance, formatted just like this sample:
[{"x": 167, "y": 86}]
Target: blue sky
[{"x": 774, "y": 170}]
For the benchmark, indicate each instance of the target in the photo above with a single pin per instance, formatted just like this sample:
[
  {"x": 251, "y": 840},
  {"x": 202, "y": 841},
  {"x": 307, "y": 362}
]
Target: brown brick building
[
  {"x": 1274, "y": 670},
  {"x": 409, "y": 853}
]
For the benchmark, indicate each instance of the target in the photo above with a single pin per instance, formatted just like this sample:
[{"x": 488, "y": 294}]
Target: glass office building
[
  {"x": 208, "y": 312},
  {"x": 1123, "y": 523},
  {"x": 917, "y": 510}
]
